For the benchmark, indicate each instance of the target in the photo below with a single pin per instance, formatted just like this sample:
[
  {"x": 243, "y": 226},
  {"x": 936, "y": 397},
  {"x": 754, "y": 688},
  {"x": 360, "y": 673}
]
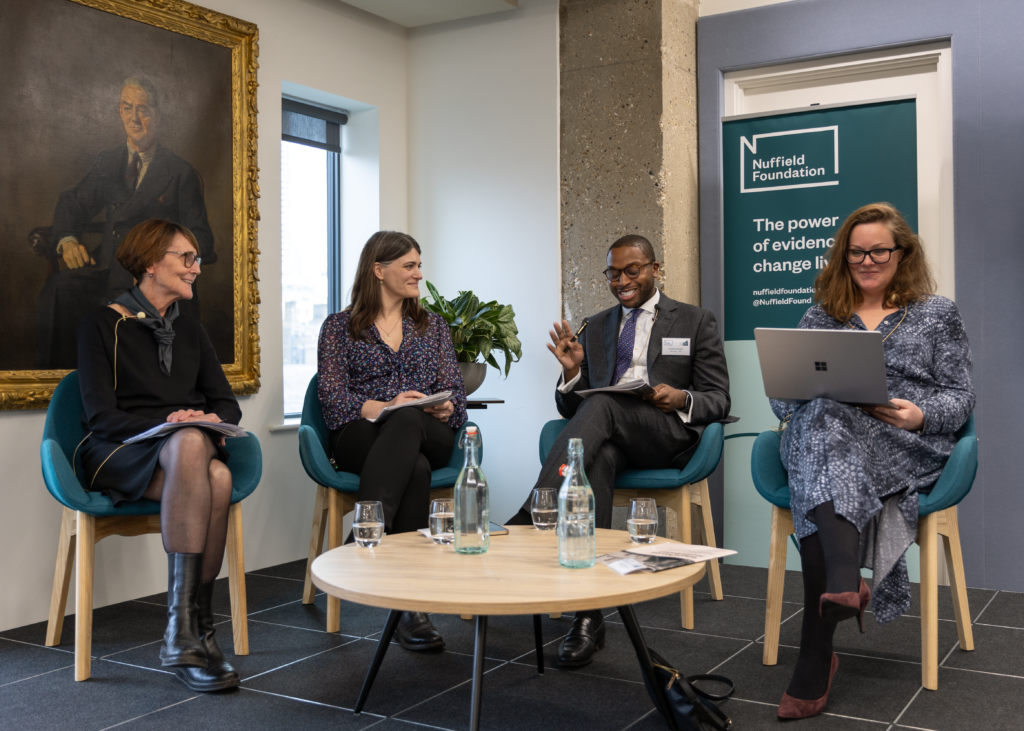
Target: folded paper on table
[
  {"x": 219, "y": 428},
  {"x": 624, "y": 563},
  {"x": 636, "y": 387},
  {"x": 421, "y": 403},
  {"x": 682, "y": 551}
]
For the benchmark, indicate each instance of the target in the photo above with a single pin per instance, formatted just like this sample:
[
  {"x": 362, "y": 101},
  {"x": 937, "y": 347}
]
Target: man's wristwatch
[{"x": 686, "y": 404}]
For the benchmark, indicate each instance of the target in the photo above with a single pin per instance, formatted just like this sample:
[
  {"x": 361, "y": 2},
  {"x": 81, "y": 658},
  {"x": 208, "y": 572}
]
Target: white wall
[
  {"x": 483, "y": 195},
  {"x": 322, "y": 44}
]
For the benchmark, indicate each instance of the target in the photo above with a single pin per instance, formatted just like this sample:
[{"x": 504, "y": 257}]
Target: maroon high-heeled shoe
[
  {"x": 790, "y": 707},
  {"x": 837, "y": 607}
]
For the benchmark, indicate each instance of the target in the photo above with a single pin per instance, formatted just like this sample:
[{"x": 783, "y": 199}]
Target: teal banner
[{"x": 790, "y": 180}]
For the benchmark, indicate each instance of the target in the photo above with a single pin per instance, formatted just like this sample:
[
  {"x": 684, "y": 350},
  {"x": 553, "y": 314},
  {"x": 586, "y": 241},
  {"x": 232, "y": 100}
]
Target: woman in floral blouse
[
  {"x": 384, "y": 350},
  {"x": 855, "y": 473}
]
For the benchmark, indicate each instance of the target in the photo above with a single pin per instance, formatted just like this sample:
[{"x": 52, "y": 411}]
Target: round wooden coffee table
[{"x": 520, "y": 574}]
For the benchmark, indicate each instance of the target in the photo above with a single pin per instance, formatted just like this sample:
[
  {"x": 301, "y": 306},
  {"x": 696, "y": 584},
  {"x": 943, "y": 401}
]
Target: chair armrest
[
  {"x": 314, "y": 458},
  {"x": 548, "y": 434},
  {"x": 707, "y": 455},
  {"x": 956, "y": 479},
  {"x": 766, "y": 468},
  {"x": 246, "y": 465}
]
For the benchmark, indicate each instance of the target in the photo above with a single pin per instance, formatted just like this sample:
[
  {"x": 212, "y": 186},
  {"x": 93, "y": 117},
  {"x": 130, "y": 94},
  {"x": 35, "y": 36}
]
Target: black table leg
[
  {"x": 539, "y": 637},
  {"x": 478, "y": 671},
  {"x": 378, "y": 657},
  {"x": 643, "y": 656}
]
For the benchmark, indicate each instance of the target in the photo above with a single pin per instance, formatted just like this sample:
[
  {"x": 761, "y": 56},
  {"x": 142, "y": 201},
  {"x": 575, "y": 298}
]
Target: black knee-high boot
[
  {"x": 218, "y": 674},
  {"x": 182, "y": 647},
  {"x": 813, "y": 666}
]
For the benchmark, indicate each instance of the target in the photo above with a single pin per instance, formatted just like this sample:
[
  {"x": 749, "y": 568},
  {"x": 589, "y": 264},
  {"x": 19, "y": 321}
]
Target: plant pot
[{"x": 473, "y": 375}]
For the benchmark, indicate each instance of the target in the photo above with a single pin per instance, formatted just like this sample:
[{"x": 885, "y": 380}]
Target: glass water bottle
[
  {"x": 472, "y": 507},
  {"x": 577, "y": 542}
]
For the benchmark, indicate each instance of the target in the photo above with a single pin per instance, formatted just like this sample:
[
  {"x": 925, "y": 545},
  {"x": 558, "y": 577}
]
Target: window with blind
[{"x": 310, "y": 237}]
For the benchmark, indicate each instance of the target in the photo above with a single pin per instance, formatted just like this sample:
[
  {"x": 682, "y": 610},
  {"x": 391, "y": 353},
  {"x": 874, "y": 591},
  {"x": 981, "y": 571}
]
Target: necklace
[{"x": 386, "y": 334}]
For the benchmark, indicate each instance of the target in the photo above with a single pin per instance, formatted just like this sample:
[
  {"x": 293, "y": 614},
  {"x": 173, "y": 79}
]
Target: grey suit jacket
[{"x": 703, "y": 373}]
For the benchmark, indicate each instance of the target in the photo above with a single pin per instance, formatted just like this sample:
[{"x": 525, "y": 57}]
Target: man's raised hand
[{"x": 569, "y": 354}]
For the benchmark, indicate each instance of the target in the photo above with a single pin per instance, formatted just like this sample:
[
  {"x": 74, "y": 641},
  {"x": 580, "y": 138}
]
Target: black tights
[
  {"x": 194, "y": 492},
  {"x": 840, "y": 542},
  {"x": 394, "y": 460},
  {"x": 810, "y": 678}
]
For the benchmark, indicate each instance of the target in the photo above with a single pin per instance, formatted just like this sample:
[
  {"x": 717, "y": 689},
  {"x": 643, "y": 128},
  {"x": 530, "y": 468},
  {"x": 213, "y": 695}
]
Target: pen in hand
[{"x": 572, "y": 339}]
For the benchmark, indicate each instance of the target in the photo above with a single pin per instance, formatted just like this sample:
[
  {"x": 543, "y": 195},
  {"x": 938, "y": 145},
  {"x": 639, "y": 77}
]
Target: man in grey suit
[{"x": 674, "y": 347}]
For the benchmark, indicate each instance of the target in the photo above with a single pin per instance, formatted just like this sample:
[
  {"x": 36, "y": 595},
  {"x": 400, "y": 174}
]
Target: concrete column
[{"x": 628, "y": 142}]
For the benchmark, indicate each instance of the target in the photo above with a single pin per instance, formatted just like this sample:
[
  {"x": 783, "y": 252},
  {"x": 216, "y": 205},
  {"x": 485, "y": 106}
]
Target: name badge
[{"x": 675, "y": 346}]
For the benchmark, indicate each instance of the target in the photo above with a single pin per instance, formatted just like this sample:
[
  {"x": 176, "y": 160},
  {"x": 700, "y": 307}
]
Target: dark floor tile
[
  {"x": 507, "y": 637},
  {"x": 752, "y": 582},
  {"x": 356, "y": 620},
  {"x": 898, "y": 640},
  {"x": 996, "y": 650},
  {"x": 690, "y": 653},
  {"x": 261, "y": 593},
  {"x": 865, "y": 688},
  {"x": 967, "y": 700},
  {"x": 115, "y": 693},
  {"x": 19, "y": 661},
  {"x": 515, "y": 697},
  {"x": 115, "y": 628},
  {"x": 747, "y": 716},
  {"x": 976, "y": 601},
  {"x": 295, "y": 570},
  {"x": 270, "y": 646},
  {"x": 731, "y": 617},
  {"x": 1006, "y": 610},
  {"x": 335, "y": 677},
  {"x": 250, "y": 711}
]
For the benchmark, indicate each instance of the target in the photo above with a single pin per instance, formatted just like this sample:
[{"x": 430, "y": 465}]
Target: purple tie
[{"x": 624, "y": 350}]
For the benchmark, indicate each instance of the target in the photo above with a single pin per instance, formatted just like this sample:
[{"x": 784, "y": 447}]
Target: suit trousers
[
  {"x": 619, "y": 433},
  {"x": 393, "y": 460}
]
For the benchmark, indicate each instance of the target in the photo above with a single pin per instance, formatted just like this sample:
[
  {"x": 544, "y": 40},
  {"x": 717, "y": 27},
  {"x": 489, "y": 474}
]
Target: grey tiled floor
[{"x": 297, "y": 676}]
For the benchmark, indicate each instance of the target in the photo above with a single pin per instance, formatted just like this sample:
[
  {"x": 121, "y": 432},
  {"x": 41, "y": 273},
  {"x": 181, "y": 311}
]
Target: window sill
[{"x": 287, "y": 425}]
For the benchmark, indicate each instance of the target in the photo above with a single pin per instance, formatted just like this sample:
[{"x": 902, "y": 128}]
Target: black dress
[{"x": 143, "y": 398}]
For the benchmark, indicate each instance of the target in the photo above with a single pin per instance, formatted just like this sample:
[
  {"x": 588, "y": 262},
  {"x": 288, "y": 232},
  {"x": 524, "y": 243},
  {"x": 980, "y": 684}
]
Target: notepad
[
  {"x": 219, "y": 428},
  {"x": 636, "y": 387},
  {"x": 421, "y": 403}
]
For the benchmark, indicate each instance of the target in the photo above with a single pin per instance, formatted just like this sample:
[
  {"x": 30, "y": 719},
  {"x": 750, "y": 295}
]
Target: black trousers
[
  {"x": 394, "y": 460},
  {"x": 618, "y": 433}
]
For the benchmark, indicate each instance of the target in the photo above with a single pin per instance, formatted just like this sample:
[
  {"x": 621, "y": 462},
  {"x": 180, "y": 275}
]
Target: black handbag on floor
[{"x": 690, "y": 708}]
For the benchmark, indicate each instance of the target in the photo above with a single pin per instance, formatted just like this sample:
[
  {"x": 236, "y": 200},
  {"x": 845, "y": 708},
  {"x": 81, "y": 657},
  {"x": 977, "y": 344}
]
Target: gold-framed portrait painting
[{"x": 113, "y": 112}]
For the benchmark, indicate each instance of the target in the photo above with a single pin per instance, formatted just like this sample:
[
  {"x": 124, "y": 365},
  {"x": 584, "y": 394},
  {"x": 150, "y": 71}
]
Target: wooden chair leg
[
  {"x": 61, "y": 577},
  {"x": 86, "y": 550},
  {"x": 556, "y": 615},
  {"x": 708, "y": 529},
  {"x": 316, "y": 541},
  {"x": 236, "y": 580},
  {"x": 466, "y": 616},
  {"x": 682, "y": 509},
  {"x": 782, "y": 527},
  {"x": 926, "y": 538},
  {"x": 335, "y": 516},
  {"x": 950, "y": 531}
]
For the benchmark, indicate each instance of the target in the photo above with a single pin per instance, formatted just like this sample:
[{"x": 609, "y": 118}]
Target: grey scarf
[{"x": 162, "y": 327}]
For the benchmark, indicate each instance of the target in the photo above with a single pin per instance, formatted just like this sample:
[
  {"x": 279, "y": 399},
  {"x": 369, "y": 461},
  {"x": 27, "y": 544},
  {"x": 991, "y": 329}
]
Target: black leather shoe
[
  {"x": 415, "y": 632},
  {"x": 218, "y": 674},
  {"x": 584, "y": 639},
  {"x": 182, "y": 647}
]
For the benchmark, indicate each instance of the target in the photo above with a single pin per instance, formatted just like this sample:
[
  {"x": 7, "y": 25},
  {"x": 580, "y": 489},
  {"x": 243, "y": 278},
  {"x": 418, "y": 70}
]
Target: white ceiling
[{"x": 412, "y": 13}]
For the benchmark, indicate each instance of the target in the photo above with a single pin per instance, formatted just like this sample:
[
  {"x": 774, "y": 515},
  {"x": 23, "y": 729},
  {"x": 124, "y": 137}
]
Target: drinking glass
[
  {"x": 442, "y": 521},
  {"x": 368, "y": 524},
  {"x": 544, "y": 508},
  {"x": 643, "y": 520}
]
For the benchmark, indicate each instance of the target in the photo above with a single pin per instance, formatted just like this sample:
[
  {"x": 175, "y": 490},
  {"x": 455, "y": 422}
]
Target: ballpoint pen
[{"x": 573, "y": 338}]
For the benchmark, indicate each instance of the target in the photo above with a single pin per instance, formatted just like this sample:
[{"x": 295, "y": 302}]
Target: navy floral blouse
[{"x": 352, "y": 372}]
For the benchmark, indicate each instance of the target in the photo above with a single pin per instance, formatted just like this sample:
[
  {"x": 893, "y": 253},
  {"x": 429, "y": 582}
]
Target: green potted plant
[{"x": 478, "y": 329}]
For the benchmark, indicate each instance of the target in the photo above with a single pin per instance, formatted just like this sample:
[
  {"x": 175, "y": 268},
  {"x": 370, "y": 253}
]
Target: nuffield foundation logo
[{"x": 799, "y": 158}]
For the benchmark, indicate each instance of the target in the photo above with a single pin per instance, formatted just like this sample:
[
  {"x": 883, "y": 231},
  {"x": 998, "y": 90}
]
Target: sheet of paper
[
  {"x": 426, "y": 401},
  {"x": 224, "y": 430},
  {"x": 627, "y": 566},
  {"x": 636, "y": 387},
  {"x": 684, "y": 551}
]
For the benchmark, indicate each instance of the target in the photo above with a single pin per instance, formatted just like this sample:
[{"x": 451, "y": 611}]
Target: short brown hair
[
  {"x": 148, "y": 242},
  {"x": 835, "y": 290}
]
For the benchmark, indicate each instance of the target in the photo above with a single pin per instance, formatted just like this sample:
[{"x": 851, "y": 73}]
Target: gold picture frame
[{"x": 32, "y": 388}]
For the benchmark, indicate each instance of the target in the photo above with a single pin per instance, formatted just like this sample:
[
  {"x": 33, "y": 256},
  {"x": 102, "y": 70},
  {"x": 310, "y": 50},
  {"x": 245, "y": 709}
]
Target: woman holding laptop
[
  {"x": 140, "y": 365},
  {"x": 385, "y": 350},
  {"x": 854, "y": 473}
]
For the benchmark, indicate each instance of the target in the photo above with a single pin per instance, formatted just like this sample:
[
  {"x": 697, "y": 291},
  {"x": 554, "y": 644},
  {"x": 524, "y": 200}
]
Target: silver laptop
[{"x": 843, "y": 365}]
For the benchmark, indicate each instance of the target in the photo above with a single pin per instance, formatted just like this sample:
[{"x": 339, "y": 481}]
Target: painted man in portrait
[{"x": 130, "y": 183}]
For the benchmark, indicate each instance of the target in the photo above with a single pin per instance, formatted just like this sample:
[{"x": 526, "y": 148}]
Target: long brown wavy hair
[
  {"x": 838, "y": 294},
  {"x": 383, "y": 247}
]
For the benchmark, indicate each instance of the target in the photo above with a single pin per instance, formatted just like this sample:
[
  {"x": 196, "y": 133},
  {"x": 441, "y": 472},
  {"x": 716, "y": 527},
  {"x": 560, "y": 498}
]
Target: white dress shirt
[{"x": 641, "y": 342}]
